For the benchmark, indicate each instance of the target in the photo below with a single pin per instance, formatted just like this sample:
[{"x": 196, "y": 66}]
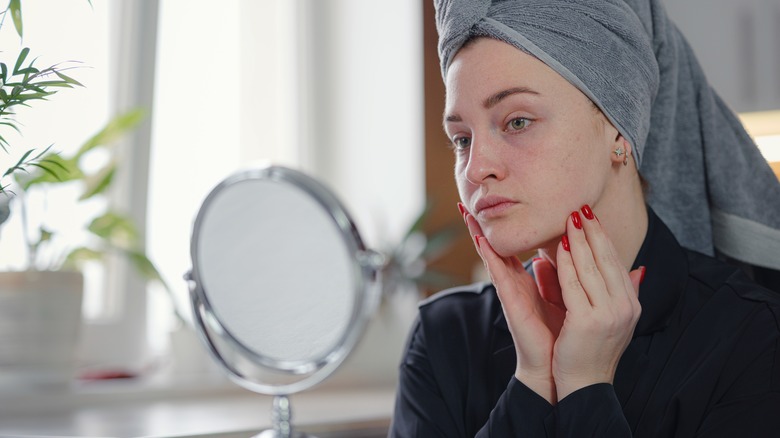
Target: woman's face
[{"x": 530, "y": 148}]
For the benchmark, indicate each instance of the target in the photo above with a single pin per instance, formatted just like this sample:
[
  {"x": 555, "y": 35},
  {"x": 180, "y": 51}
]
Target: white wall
[
  {"x": 736, "y": 43},
  {"x": 363, "y": 113}
]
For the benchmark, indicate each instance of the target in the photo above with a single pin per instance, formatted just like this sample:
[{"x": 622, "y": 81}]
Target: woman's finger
[
  {"x": 635, "y": 279},
  {"x": 496, "y": 265},
  {"x": 588, "y": 271},
  {"x": 574, "y": 297},
  {"x": 547, "y": 282},
  {"x": 612, "y": 270},
  {"x": 637, "y": 276},
  {"x": 503, "y": 271}
]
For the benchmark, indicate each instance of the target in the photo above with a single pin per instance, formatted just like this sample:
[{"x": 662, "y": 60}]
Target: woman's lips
[{"x": 492, "y": 206}]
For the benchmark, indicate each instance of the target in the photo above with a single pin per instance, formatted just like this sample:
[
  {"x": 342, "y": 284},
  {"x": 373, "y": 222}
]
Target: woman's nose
[{"x": 484, "y": 161}]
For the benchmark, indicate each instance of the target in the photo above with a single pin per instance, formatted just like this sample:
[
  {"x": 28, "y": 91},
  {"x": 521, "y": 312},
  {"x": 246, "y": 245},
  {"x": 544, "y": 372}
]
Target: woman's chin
[{"x": 504, "y": 248}]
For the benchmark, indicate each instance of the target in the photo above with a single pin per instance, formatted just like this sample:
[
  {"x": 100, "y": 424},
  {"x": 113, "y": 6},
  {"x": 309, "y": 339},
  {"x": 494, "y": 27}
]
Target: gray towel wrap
[{"x": 708, "y": 180}]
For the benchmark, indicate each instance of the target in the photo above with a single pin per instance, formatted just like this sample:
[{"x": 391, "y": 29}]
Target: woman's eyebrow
[
  {"x": 494, "y": 99},
  {"x": 452, "y": 118}
]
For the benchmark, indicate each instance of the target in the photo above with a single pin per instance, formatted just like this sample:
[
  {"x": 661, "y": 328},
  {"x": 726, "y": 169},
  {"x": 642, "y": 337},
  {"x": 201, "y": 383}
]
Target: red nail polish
[
  {"x": 575, "y": 218},
  {"x": 565, "y": 241},
  {"x": 463, "y": 213},
  {"x": 536, "y": 259},
  {"x": 642, "y": 271},
  {"x": 587, "y": 212}
]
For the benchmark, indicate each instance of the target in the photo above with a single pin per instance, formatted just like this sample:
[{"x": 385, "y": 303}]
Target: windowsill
[
  {"x": 194, "y": 407},
  {"x": 185, "y": 394}
]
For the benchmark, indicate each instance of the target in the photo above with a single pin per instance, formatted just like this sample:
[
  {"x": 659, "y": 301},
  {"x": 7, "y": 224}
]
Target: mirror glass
[{"x": 276, "y": 270}]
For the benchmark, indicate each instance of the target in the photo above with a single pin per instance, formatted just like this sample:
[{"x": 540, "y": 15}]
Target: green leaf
[
  {"x": 99, "y": 183},
  {"x": 39, "y": 86},
  {"x": 439, "y": 242},
  {"x": 58, "y": 164},
  {"x": 144, "y": 266},
  {"x": 32, "y": 96},
  {"x": 114, "y": 228},
  {"x": 78, "y": 256},
  {"x": 67, "y": 79},
  {"x": 19, "y": 164},
  {"x": 46, "y": 235},
  {"x": 16, "y": 13},
  {"x": 36, "y": 87},
  {"x": 12, "y": 125},
  {"x": 24, "y": 156},
  {"x": 53, "y": 169},
  {"x": 418, "y": 223},
  {"x": 47, "y": 169},
  {"x": 115, "y": 128},
  {"x": 43, "y": 152},
  {"x": 20, "y": 60}
]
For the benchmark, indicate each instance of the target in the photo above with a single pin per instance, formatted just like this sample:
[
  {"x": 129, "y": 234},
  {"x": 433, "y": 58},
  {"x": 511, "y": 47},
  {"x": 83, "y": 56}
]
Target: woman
[{"x": 554, "y": 108}]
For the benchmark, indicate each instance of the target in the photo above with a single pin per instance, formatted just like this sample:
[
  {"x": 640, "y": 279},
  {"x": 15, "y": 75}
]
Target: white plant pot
[{"x": 40, "y": 321}]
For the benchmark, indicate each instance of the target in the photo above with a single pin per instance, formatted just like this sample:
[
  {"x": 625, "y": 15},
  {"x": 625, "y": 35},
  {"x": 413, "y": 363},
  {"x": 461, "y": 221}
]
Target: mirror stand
[{"x": 281, "y": 415}]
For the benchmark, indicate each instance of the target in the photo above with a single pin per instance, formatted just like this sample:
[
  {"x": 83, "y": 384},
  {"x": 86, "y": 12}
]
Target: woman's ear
[{"x": 621, "y": 150}]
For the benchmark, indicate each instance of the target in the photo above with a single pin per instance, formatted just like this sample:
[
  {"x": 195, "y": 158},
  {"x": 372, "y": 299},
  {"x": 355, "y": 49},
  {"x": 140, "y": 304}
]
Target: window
[
  {"x": 227, "y": 87},
  {"x": 764, "y": 127}
]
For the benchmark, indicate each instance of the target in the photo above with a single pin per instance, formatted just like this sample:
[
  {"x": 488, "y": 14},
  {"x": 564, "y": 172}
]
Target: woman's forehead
[{"x": 487, "y": 71}]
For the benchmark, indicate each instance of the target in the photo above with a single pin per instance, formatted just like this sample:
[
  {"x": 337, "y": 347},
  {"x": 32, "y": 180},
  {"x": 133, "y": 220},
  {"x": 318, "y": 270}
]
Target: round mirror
[{"x": 281, "y": 283}]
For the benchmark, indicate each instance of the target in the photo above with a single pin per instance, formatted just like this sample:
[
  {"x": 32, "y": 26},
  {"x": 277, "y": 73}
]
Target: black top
[{"x": 704, "y": 362}]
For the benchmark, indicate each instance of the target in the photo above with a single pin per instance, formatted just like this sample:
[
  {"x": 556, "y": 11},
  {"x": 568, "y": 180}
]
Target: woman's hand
[
  {"x": 533, "y": 322},
  {"x": 570, "y": 326},
  {"x": 600, "y": 297}
]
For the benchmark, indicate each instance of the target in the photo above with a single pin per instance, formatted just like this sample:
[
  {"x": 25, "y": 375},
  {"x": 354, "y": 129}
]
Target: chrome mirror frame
[{"x": 224, "y": 346}]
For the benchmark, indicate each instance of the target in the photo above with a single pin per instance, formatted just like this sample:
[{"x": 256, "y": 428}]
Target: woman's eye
[
  {"x": 518, "y": 124},
  {"x": 461, "y": 142}
]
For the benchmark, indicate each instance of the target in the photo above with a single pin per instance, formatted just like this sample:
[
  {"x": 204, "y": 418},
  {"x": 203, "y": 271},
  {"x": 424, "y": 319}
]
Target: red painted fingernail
[
  {"x": 575, "y": 218},
  {"x": 536, "y": 259},
  {"x": 642, "y": 271},
  {"x": 476, "y": 240},
  {"x": 462, "y": 210},
  {"x": 587, "y": 212},
  {"x": 565, "y": 241}
]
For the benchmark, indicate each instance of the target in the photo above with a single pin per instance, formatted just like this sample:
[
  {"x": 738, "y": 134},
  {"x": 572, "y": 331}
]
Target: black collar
[{"x": 666, "y": 266}]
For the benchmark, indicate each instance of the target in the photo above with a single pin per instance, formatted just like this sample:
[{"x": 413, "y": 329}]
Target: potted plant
[
  {"x": 40, "y": 306},
  {"x": 41, "y": 303}
]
